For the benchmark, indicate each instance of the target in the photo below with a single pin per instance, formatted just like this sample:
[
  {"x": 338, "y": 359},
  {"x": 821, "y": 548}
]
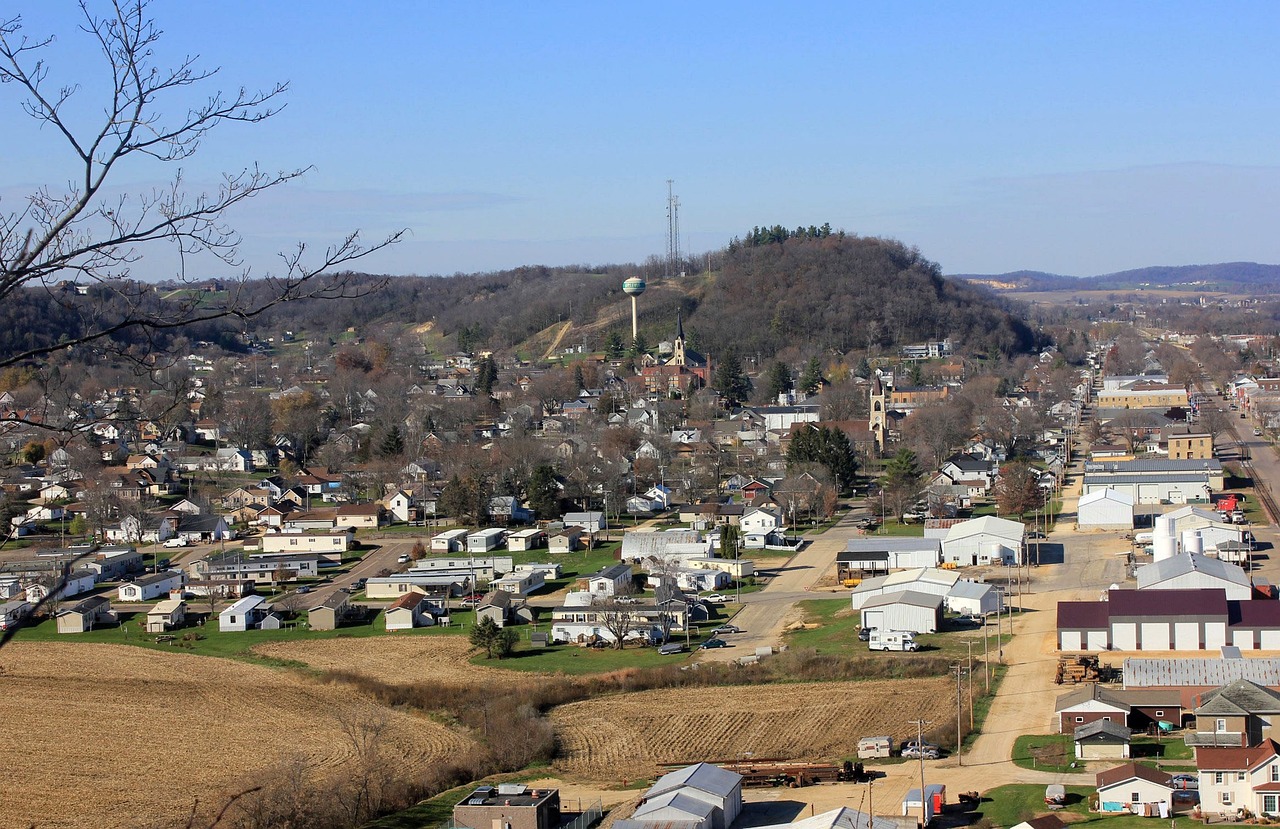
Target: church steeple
[{"x": 677, "y": 356}]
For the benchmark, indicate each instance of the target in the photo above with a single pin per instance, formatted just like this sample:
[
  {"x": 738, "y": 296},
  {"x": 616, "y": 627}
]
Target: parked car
[
  {"x": 162, "y": 563},
  {"x": 915, "y": 751},
  {"x": 671, "y": 648},
  {"x": 715, "y": 598},
  {"x": 176, "y": 541},
  {"x": 864, "y": 634},
  {"x": 1257, "y": 432},
  {"x": 715, "y": 643},
  {"x": 403, "y": 558},
  {"x": 304, "y": 589},
  {"x": 470, "y": 602},
  {"x": 726, "y": 629},
  {"x": 360, "y": 583},
  {"x": 1185, "y": 781}
]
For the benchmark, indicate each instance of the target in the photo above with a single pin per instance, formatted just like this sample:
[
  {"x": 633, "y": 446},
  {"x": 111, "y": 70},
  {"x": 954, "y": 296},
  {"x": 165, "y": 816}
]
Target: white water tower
[{"x": 634, "y": 287}]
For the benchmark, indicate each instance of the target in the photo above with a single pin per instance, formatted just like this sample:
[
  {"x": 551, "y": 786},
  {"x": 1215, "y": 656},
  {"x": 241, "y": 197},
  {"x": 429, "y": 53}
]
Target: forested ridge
[
  {"x": 818, "y": 291},
  {"x": 1226, "y": 276}
]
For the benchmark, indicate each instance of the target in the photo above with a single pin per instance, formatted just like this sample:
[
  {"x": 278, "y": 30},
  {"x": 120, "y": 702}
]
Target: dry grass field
[
  {"x": 115, "y": 736},
  {"x": 395, "y": 659},
  {"x": 618, "y": 737}
]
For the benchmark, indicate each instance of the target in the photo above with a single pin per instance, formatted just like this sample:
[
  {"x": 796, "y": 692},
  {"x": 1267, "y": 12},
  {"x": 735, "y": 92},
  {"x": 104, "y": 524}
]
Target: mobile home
[
  {"x": 449, "y": 541},
  {"x": 482, "y": 541}
]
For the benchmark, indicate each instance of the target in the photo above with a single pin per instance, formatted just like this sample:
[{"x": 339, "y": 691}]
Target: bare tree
[
  {"x": 87, "y": 232},
  {"x": 618, "y": 615}
]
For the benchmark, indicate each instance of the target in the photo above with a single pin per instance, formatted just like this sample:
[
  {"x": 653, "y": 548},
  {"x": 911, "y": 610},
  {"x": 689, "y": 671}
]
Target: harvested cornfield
[
  {"x": 116, "y": 736},
  {"x": 626, "y": 736},
  {"x": 396, "y": 659}
]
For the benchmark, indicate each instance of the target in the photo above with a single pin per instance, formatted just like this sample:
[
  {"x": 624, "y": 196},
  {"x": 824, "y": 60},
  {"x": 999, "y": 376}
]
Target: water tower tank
[{"x": 634, "y": 286}]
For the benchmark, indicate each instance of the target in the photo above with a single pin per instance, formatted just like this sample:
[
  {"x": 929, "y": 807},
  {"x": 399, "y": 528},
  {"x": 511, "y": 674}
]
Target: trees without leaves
[
  {"x": 150, "y": 118},
  {"x": 1018, "y": 490}
]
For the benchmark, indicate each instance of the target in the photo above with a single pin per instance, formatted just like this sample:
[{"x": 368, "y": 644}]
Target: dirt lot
[
  {"x": 625, "y": 737},
  {"x": 114, "y": 736},
  {"x": 396, "y": 660}
]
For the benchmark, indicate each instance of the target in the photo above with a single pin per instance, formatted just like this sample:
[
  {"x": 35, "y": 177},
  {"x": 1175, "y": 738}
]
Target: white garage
[
  {"x": 907, "y": 610},
  {"x": 1105, "y": 509},
  {"x": 1186, "y": 636},
  {"x": 1155, "y": 636}
]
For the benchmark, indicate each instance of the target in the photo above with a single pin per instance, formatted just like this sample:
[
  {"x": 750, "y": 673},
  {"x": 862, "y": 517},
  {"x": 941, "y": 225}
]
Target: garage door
[
  {"x": 1148, "y": 493},
  {"x": 1176, "y": 497},
  {"x": 1124, "y": 636},
  {"x": 1270, "y": 640},
  {"x": 1155, "y": 636},
  {"x": 1242, "y": 639},
  {"x": 1215, "y": 635},
  {"x": 1070, "y": 640},
  {"x": 1186, "y": 636},
  {"x": 1097, "y": 640}
]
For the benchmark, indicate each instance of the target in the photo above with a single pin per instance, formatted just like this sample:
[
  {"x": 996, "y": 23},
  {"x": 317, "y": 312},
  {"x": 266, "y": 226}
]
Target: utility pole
[
  {"x": 969, "y": 643},
  {"x": 986, "y": 654},
  {"x": 924, "y": 801},
  {"x": 959, "y": 738}
]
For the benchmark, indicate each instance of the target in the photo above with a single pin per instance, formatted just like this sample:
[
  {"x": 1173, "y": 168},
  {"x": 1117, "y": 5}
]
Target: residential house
[
  {"x": 1089, "y": 704},
  {"x": 86, "y": 615},
  {"x": 400, "y": 507},
  {"x": 503, "y": 608},
  {"x": 237, "y": 565},
  {"x": 613, "y": 580},
  {"x": 361, "y": 516},
  {"x": 1241, "y": 713},
  {"x": 166, "y": 615},
  {"x": 1136, "y": 789},
  {"x": 154, "y": 585},
  {"x": 506, "y": 509},
  {"x": 567, "y": 540},
  {"x": 12, "y": 613},
  {"x": 331, "y": 612},
  {"x": 328, "y": 545},
  {"x": 1238, "y": 779},
  {"x": 249, "y": 613},
  {"x": 410, "y": 611}
]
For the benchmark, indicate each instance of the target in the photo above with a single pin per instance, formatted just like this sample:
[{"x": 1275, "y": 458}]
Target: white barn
[
  {"x": 921, "y": 580},
  {"x": 985, "y": 540},
  {"x": 904, "y": 610},
  {"x": 1105, "y": 509},
  {"x": 975, "y": 598}
]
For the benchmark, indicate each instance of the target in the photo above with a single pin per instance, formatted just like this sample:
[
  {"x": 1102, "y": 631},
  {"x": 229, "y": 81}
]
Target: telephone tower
[{"x": 673, "y": 230}]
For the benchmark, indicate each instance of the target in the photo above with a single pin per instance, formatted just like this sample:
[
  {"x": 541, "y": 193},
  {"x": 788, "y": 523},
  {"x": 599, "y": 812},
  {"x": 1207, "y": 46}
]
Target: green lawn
[
  {"x": 1044, "y": 752},
  {"x": 1006, "y": 806},
  {"x": 894, "y": 527},
  {"x": 231, "y": 645},
  {"x": 838, "y": 634},
  {"x": 1165, "y": 749}
]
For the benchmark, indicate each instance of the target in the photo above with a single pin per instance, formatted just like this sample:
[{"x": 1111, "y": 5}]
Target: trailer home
[
  {"x": 449, "y": 541},
  {"x": 482, "y": 541}
]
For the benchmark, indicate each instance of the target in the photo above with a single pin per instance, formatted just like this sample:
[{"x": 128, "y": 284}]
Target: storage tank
[
  {"x": 1192, "y": 542},
  {"x": 1164, "y": 546},
  {"x": 1166, "y": 526}
]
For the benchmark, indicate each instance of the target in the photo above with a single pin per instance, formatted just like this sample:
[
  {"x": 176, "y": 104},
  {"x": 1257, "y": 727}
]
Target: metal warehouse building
[{"x": 904, "y": 610}]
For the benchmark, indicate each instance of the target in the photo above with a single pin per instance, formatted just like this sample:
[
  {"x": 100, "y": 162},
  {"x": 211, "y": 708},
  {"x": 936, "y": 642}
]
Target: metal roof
[
  {"x": 1100, "y": 479},
  {"x": 1199, "y": 671},
  {"x": 1153, "y": 574},
  {"x": 892, "y": 545},
  {"x": 915, "y": 598}
]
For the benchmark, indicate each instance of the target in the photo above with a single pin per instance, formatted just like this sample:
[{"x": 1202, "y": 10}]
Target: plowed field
[
  {"x": 618, "y": 737},
  {"x": 115, "y": 736},
  {"x": 395, "y": 659}
]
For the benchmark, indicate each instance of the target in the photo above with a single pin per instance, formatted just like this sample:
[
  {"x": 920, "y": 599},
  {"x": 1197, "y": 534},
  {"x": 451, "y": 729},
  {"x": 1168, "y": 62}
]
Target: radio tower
[{"x": 673, "y": 230}]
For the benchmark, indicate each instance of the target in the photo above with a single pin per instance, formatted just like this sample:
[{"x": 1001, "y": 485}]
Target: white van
[
  {"x": 892, "y": 640},
  {"x": 872, "y": 747}
]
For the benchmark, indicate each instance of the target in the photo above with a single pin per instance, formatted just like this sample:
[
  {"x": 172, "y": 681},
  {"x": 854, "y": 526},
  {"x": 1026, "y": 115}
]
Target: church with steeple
[{"x": 685, "y": 371}]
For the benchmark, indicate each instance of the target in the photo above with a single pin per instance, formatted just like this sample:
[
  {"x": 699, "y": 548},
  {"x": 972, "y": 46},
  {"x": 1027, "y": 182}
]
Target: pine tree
[
  {"x": 543, "y": 493},
  {"x": 639, "y": 346},
  {"x": 578, "y": 378},
  {"x": 863, "y": 369},
  {"x": 730, "y": 380},
  {"x": 829, "y": 447},
  {"x": 812, "y": 377},
  {"x": 486, "y": 375},
  {"x": 613, "y": 346},
  {"x": 779, "y": 379},
  {"x": 392, "y": 445}
]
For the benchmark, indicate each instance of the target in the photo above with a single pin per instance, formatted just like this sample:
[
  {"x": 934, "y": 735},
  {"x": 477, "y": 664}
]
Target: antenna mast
[{"x": 673, "y": 230}]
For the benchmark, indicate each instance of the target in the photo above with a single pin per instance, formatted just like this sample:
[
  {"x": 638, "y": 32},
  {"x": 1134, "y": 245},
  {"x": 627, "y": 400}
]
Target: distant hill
[{"x": 1235, "y": 277}]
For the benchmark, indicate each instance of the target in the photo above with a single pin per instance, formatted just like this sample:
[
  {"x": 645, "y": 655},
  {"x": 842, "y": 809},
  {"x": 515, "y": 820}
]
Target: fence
[{"x": 587, "y": 818}]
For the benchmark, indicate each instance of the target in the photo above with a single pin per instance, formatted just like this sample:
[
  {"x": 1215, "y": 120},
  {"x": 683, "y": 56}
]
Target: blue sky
[{"x": 1077, "y": 138}]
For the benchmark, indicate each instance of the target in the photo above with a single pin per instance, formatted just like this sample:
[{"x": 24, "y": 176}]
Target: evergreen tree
[
  {"x": 812, "y": 377},
  {"x": 863, "y": 369},
  {"x": 578, "y": 378},
  {"x": 730, "y": 380},
  {"x": 917, "y": 374},
  {"x": 829, "y": 447},
  {"x": 613, "y": 346},
  {"x": 392, "y": 445},
  {"x": 779, "y": 379},
  {"x": 902, "y": 480},
  {"x": 639, "y": 346},
  {"x": 543, "y": 493},
  {"x": 486, "y": 375}
]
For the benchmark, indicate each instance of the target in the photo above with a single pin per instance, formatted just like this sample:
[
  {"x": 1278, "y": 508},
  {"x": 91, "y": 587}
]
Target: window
[
  {"x": 1270, "y": 803},
  {"x": 1275, "y": 773},
  {"x": 1220, "y": 725},
  {"x": 1135, "y": 797},
  {"x": 1106, "y": 719},
  {"x": 1240, "y": 776},
  {"x": 1217, "y": 778},
  {"x": 1159, "y": 713},
  {"x": 1225, "y": 798}
]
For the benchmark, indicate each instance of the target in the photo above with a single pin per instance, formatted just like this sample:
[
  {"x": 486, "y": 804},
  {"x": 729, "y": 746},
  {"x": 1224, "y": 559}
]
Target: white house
[
  {"x": 1131, "y": 787},
  {"x": 449, "y": 541},
  {"x": 592, "y": 522},
  {"x": 1240, "y": 778},
  {"x": 483, "y": 541},
  {"x": 145, "y": 588},
  {"x": 411, "y": 610},
  {"x": 330, "y": 545},
  {"x": 1105, "y": 509},
  {"x": 610, "y": 581},
  {"x": 760, "y": 520},
  {"x": 248, "y": 613},
  {"x": 400, "y": 506},
  {"x": 166, "y": 615},
  {"x": 985, "y": 540},
  {"x": 12, "y": 613}
]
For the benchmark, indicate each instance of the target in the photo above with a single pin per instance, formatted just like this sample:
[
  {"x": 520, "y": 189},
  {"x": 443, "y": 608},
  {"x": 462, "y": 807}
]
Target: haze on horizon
[{"x": 993, "y": 136}]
